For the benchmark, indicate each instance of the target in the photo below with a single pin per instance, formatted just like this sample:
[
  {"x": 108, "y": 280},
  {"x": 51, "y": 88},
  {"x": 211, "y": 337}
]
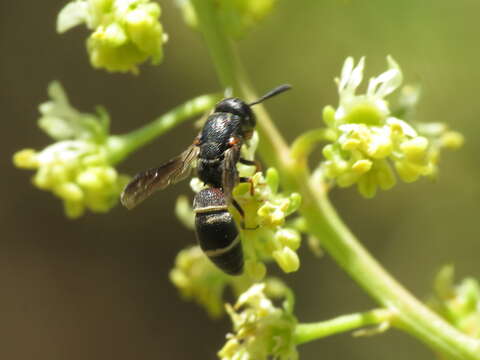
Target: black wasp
[{"x": 216, "y": 151}]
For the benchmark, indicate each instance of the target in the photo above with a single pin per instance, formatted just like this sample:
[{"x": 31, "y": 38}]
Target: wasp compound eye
[
  {"x": 216, "y": 151},
  {"x": 240, "y": 108}
]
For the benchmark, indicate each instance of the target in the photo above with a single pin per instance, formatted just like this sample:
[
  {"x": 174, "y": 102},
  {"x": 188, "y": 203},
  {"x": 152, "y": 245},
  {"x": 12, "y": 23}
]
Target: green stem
[
  {"x": 120, "y": 146},
  {"x": 323, "y": 221},
  {"x": 313, "y": 331},
  {"x": 232, "y": 75},
  {"x": 305, "y": 143}
]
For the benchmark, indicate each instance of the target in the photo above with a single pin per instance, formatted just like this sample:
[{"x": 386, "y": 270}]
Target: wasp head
[{"x": 240, "y": 108}]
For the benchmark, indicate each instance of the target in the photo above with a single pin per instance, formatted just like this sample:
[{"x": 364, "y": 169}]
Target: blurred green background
[{"x": 98, "y": 288}]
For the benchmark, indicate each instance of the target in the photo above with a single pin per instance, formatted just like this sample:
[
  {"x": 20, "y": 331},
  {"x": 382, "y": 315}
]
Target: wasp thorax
[{"x": 241, "y": 109}]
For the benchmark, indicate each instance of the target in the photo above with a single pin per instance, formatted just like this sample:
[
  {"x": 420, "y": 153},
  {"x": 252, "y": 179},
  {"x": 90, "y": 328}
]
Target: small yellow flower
[
  {"x": 235, "y": 16},
  {"x": 62, "y": 170},
  {"x": 76, "y": 168},
  {"x": 261, "y": 330},
  {"x": 199, "y": 280},
  {"x": 264, "y": 234},
  {"x": 371, "y": 142},
  {"x": 458, "y": 304},
  {"x": 125, "y": 32}
]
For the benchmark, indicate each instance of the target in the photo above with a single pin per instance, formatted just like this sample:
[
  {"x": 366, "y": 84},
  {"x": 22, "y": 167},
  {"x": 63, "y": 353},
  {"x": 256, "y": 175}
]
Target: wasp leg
[
  {"x": 258, "y": 166},
  {"x": 237, "y": 206},
  {"x": 248, "y": 180}
]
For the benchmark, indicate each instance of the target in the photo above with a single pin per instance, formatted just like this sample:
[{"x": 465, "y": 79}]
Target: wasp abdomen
[{"x": 216, "y": 231}]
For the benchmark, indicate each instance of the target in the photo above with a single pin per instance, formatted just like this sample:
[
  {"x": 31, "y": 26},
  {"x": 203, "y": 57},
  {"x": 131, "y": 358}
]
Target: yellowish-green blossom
[
  {"x": 370, "y": 142},
  {"x": 76, "y": 171},
  {"x": 265, "y": 234},
  {"x": 265, "y": 237},
  {"x": 459, "y": 304},
  {"x": 261, "y": 330},
  {"x": 199, "y": 280},
  {"x": 125, "y": 32},
  {"x": 76, "y": 168},
  {"x": 236, "y": 16},
  {"x": 263, "y": 231},
  {"x": 184, "y": 212}
]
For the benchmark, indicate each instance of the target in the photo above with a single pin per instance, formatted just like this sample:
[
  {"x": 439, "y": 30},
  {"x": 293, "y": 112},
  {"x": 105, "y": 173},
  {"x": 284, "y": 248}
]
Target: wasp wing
[
  {"x": 230, "y": 174},
  {"x": 151, "y": 180}
]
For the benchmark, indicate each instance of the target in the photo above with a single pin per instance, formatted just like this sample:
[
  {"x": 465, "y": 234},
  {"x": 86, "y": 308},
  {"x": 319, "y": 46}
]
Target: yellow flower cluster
[
  {"x": 265, "y": 235},
  {"x": 458, "y": 304},
  {"x": 262, "y": 331},
  {"x": 77, "y": 172},
  {"x": 236, "y": 16},
  {"x": 198, "y": 279},
  {"x": 263, "y": 231},
  {"x": 371, "y": 142},
  {"x": 76, "y": 167},
  {"x": 125, "y": 32}
]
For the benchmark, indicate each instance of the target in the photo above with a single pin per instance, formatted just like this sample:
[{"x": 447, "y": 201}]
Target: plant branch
[
  {"x": 305, "y": 143},
  {"x": 120, "y": 146},
  {"x": 232, "y": 75},
  {"x": 322, "y": 220},
  {"x": 314, "y": 331}
]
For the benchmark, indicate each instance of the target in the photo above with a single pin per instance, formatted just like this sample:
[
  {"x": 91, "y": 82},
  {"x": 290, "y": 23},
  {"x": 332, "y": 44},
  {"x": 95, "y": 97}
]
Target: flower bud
[
  {"x": 459, "y": 304},
  {"x": 452, "y": 140},
  {"x": 415, "y": 149},
  {"x": 287, "y": 259},
  {"x": 262, "y": 230},
  {"x": 369, "y": 140},
  {"x": 362, "y": 166},
  {"x": 288, "y": 237},
  {"x": 184, "y": 212},
  {"x": 25, "y": 159},
  {"x": 69, "y": 191},
  {"x": 76, "y": 167},
  {"x": 199, "y": 280},
  {"x": 236, "y": 17},
  {"x": 384, "y": 174},
  {"x": 89, "y": 179},
  {"x": 273, "y": 180},
  {"x": 261, "y": 330},
  {"x": 408, "y": 172},
  {"x": 256, "y": 270},
  {"x": 125, "y": 33}
]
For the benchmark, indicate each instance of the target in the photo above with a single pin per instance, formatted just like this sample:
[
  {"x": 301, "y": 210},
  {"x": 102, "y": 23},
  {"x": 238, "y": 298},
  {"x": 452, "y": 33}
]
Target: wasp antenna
[{"x": 271, "y": 93}]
